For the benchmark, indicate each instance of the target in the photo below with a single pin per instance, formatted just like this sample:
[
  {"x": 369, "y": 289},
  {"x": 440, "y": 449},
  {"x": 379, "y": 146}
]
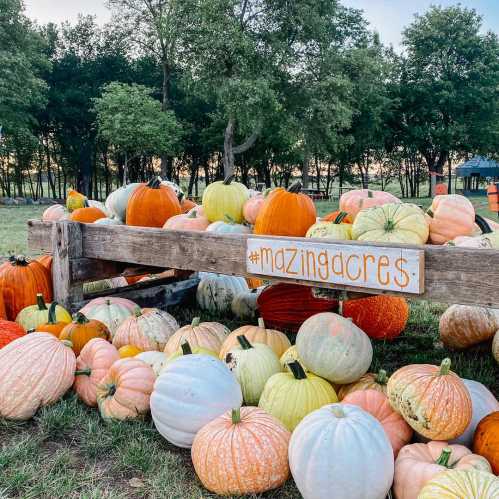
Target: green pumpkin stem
[
  {"x": 381, "y": 378},
  {"x": 85, "y": 203},
  {"x": 79, "y": 318},
  {"x": 154, "y": 183},
  {"x": 340, "y": 217},
  {"x": 389, "y": 226},
  {"x": 180, "y": 196},
  {"x": 40, "y": 302},
  {"x": 443, "y": 460},
  {"x": 196, "y": 321},
  {"x": 228, "y": 179},
  {"x": 370, "y": 193},
  {"x": 445, "y": 366},
  {"x": 236, "y": 415},
  {"x": 243, "y": 341},
  {"x": 229, "y": 219},
  {"x": 261, "y": 323},
  {"x": 193, "y": 214},
  {"x": 186, "y": 348},
  {"x": 483, "y": 224},
  {"x": 338, "y": 411},
  {"x": 295, "y": 188},
  {"x": 297, "y": 370},
  {"x": 137, "y": 312},
  {"x": 429, "y": 212},
  {"x": 83, "y": 372},
  {"x": 52, "y": 314}
]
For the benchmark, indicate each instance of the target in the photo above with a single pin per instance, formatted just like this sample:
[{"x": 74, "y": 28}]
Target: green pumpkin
[
  {"x": 225, "y": 199},
  {"x": 332, "y": 230},
  {"x": 33, "y": 316}
]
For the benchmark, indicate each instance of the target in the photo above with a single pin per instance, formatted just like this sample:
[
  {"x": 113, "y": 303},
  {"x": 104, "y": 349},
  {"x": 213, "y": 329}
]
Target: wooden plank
[
  {"x": 92, "y": 269},
  {"x": 40, "y": 236}
]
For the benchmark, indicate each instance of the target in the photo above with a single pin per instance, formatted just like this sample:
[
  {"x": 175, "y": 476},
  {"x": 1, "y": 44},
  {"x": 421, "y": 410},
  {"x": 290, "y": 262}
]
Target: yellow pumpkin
[
  {"x": 290, "y": 355},
  {"x": 225, "y": 199},
  {"x": 128, "y": 351},
  {"x": 332, "y": 230},
  {"x": 35, "y": 315},
  {"x": 290, "y": 396},
  {"x": 391, "y": 223},
  {"x": 75, "y": 200},
  {"x": 186, "y": 349}
]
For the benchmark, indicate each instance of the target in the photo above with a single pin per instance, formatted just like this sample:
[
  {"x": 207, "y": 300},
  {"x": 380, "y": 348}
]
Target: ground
[{"x": 68, "y": 451}]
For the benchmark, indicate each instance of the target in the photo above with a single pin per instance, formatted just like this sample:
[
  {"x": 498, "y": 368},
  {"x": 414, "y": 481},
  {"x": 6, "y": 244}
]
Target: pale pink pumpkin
[
  {"x": 359, "y": 199},
  {"x": 252, "y": 207},
  {"x": 54, "y": 213},
  {"x": 188, "y": 221}
]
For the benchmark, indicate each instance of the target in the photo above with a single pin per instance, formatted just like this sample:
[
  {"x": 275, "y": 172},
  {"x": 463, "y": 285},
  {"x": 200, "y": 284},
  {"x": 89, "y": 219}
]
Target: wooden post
[{"x": 67, "y": 245}]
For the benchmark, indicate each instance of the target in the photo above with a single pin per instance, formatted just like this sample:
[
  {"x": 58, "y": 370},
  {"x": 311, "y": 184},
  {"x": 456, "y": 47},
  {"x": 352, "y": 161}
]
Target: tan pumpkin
[
  {"x": 54, "y": 213},
  {"x": 370, "y": 381},
  {"x": 81, "y": 331}
]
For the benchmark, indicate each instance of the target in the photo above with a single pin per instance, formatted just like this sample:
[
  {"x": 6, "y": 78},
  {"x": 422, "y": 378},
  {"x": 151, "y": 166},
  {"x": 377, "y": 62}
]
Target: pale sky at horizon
[{"x": 388, "y": 17}]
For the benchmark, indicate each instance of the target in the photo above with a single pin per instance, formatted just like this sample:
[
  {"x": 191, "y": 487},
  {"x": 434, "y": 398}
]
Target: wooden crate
[{"x": 85, "y": 252}]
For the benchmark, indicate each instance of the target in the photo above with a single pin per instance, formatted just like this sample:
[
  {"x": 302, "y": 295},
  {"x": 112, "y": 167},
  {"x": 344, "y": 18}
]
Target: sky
[{"x": 388, "y": 17}]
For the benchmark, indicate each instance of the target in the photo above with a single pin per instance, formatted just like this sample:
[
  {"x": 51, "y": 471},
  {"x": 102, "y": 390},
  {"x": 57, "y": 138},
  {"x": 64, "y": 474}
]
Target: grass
[{"x": 67, "y": 450}]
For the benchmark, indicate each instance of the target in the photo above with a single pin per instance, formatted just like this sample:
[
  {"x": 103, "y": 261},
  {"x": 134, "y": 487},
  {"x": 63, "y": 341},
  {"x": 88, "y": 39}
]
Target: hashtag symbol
[{"x": 254, "y": 257}]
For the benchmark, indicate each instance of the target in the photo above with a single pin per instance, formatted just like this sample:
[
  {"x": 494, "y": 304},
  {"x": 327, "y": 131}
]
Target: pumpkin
[
  {"x": 148, "y": 329},
  {"x": 46, "y": 261},
  {"x": 54, "y": 213},
  {"x": 117, "y": 201},
  {"x": 370, "y": 381},
  {"x": 75, "y": 200},
  {"x": 82, "y": 330},
  {"x": 252, "y": 208},
  {"x": 229, "y": 226},
  {"x": 225, "y": 198},
  {"x": 186, "y": 205},
  {"x": 53, "y": 325},
  {"x": 127, "y": 351},
  {"x": 244, "y": 451},
  {"x": 334, "y": 348},
  {"x": 186, "y": 349},
  {"x": 288, "y": 306},
  {"x": 391, "y": 223},
  {"x": 190, "y": 221},
  {"x": 151, "y": 205},
  {"x": 461, "y": 484},
  {"x": 9, "y": 331},
  {"x": 36, "y": 370},
  {"x": 486, "y": 440},
  {"x": 20, "y": 281},
  {"x": 331, "y": 217},
  {"x": 189, "y": 393},
  {"x": 111, "y": 311},
  {"x": 335, "y": 229},
  {"x": 489, "y": 239},
  {"x": 104, "y": 284},
  {"x": 290, "y": 396},
  {"x": 276, "y": 340},
  {"x": 495, "y": 346},
  {"x": 252, "y": 365},
  {"x": 216, "y": 292},
  {"x": 124, "y": 392},
  {"x": 381, "y": 317},
  {"x": 286, "y": 213},
  {"x": 376, "y": 403},
  {"x": 244, "y": 305},
  {"x": 432, "y": 399},
  {"x": 155, "y": 359},
  {"x": 290, "y": 355},
  {"x": 87, "y": 214},
  {"x": 359, "y": 199},
  {"x": 95, "y": 359},
  {"x": 417, "y": 464},
  {"x": 3, "y": 312},
  {"x": 341, "y": 451},
  {"x": 450, "y": 216},
  {"x": 209, "y": 335},
  {"x": 462, "y": 326},
  {"x": 175, "y": 187},
  {"x": 254, "y": 282},
  {"x": 35, "y": 315},
  {"x": 108, "y": 221}
]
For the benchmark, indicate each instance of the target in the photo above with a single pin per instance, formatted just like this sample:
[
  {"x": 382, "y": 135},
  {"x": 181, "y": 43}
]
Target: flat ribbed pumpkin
[
  {"x": 432, "y": 399},
  {"x": 244, "y": 451},
  {"x": 359, "y": 199},
  {"x": 9, "y": 331},
  {"x": 36, "y": 370},
  {"x": 35, "y": 315},
  {"x": 82, "y": 330},
  {"x": 486, "y": 440},
  {"x": 369, "y": 381}
]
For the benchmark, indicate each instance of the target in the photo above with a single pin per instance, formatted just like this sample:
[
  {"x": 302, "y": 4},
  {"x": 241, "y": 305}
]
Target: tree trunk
[
  {"x": 449, "y": 178},
  {"x": 305, "y": 169},
  {"x": 84, "y": 183},
  {"x": 165, "y": 105},
  {"x": 228, "y": 160}
]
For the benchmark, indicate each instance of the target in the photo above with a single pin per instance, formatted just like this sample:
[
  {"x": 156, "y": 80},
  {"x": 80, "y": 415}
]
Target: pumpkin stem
[
  {"x": 138, "y": 312},
  {"x": 85, "y": 203},
  {"x": 111, "y": 390},
  {"x": 340, "y": 217},
  {"x": 228, "y": 179},
  {"x": 154, "y": 183},
  {"x": 186, "y": 348},
  {"x": 243, "y": 341},
  {"x": 67, "y": 343},
  {"x": 79, "y": 318},
  {"x": 338, "y": 411},
  {"x": 84, "y": 372},
  {"x": 389, "y": 225},
  {"x": 297, "y": 370},
  {"x": 261, "y": 323},
  {"x": 20, "y": 260},
  {"x": 196, "y": 321},
  {"x": 193, "y": 214},
  {"x": 236, "y": 415},
  {"x": 445, "y": 366},
  {"x": 180, "y": 196},
  {"x": 443, "y": 460},
  {"x": 483, "y": 224},
  {"x": 381, "y": 378},
  {"x": 295, "y": 188},
  {"x": 40, "y": 302},
  {"x": 52, "y": 315},
  {"x": 229, "y": 219},
  {"x": 429, "y": 212},
  {"x": 370, "y": 193}
]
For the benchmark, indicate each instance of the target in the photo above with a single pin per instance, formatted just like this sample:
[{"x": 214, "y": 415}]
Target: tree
[{"x": 134, "y": 122}]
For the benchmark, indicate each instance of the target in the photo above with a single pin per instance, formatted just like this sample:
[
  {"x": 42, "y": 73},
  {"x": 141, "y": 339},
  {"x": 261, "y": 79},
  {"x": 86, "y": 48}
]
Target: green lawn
[{"x": 68, "y": 451}]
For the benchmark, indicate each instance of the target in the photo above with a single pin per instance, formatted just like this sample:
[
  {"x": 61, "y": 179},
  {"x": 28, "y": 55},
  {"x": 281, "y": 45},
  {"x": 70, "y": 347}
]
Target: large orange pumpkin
[
  {"x": 152, "y": 204},
  {"x": 432, "y": 399},
  {"x": 10, "y": 331},
  {"x": 46, "y": 261},
  {"x": 242, "y": 452},
  {"x": 52, "y": 326},
  {"x": 87, "y": 214},
  {"x": 3, "y": 311},
  {"x": 20, "y": 281},
  {"x": 381, "y": 317},
  {"x": 354, "y": 201},
  {"x": 486, "y": 440},
  {"x": 81, "y": 331},
  {"x": 286, "y": 213}
]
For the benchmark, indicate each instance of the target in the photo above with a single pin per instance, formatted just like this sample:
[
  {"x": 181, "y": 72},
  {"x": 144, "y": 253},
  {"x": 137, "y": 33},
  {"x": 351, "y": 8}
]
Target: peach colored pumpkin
[
  {"x": 432, "y": 399},
  {"x": 252, "y": 207},
  {"x": 125, "y": 390},
  {"x": 54, "y": 213},
  {"x": 375, "y": 403},
  {"x": 242, "y": 452},
  {"x": 35, "y": 370},
  {"x": 209, "y": 335},
  {"x": 450, "y": 216},
  {"x": 188, "y": 221},
  {"x": 417, "y": 464},
  {"x": 95, "y": 359},
  {"x": 370, "y": 381},
  {"x": 276, "y": 340},
  {"x": 359, "y": 199}
]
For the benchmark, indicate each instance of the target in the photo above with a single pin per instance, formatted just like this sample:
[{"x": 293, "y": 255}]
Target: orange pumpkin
[
  {"x": 52, "y": 326},
  {"x": 242, "y": 452},
  {"x": 152, "y": 204},
  {"x": 486, "y": 440},
  {"x": 125, "y": 390},
  {"x": 87, "y": 214},
  {"x": 359, "y": 199},
  {"x": 370, "y": 381},
  {"x": 376, "y": 403},
  {"x": 254, "y": 282},
  {"x": 20, "y": 281},
  {"x": 432, "y": 399},
  {"x": 10, "y": 331},
  {"x": 46, "y": 261},
  {"x": 81, "y": 331},
  {"x": 188, "y": 221},
  {"x": 286, "y": 213},
  {"x": 381, "y": 317},
  {"x": 331, "y": 217},
  {"x": 3, "y": 311},
  {"x": 95, "y": 359},
  {"x": 186, "y": 205}
]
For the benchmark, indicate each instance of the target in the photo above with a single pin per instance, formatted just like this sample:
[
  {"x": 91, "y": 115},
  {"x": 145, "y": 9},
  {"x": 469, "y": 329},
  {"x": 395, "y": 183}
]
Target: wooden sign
[{"x": 374, "y": 267}]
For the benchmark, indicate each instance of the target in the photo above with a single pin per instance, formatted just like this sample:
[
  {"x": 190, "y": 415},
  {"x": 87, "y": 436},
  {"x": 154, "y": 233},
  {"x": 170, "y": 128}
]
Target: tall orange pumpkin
[
  {"x": 152, "y": 204},
  {"x": 286, "y": 213},
  {"x": 21, "y": 280},
  {"x": 9, "y": 331},
  {"x": 82, "y": 330},
  {"x": 242, "y": 452},
  {"x": 486, "y": 440}
]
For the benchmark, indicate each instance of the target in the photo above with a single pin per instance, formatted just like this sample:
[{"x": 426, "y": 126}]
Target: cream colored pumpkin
[
  {"x": 111, "y": 311},
  {"x": 290, "y": 355},
  {"x": 117, "y": 201},
  {"x": 154, "y": 359},
  {"x": 216, "y": 291},
  {"x": 244, "y": 305},
  {"x": 330, "y": 230}
]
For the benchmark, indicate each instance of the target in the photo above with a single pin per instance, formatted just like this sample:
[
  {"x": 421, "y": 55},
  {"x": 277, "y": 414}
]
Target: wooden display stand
[{"x": 88, "y": 252}]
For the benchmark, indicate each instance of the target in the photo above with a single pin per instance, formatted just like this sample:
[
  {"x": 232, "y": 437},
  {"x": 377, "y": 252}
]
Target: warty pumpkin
[
  {"x": 369, "y": 381},
  {"x": 486, "y": 440},
  {"x": 432, "y": 399},
  {"x": 359, "y": 199},
  {"x": 244, "y": 305},
  {"x": 334, "y": 229},
  {"x": 188, "y": 221},
  {"x": 224, "y": 198},
  {"x": 244, "y": 451},
  {"x": 53, "y": 325},
  {"x": 75, "y": 200},
  {"x": 215, "y": 292},
  {"x": 54, "y": 213},
  {"x": 9, "y": 331},
  {"x": 35, "y": 315},
  {"x": 36, "y": 370},
  {"x": 111, "y": 311},
  {"x": 82, "y": 330}
]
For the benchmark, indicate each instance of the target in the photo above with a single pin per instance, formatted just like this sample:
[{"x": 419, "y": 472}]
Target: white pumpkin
[
  {"x": 108, "y": 221},
  {"x": 334, "y": 348},
  {"x": 117, "y": 201},
  {"x": 101, "y": 206},
  {"x": 215, "y": 293},
  {"x": 229, "y": 227},
  {"x": 244, "y": 305},
  {"x": 189, "y": 393},
  {"x": 111, "y": 311},
  {"x": 176, "y": 188},
  {"x": 154, "y": 359},
  {"x": 341, "y": 451}
]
